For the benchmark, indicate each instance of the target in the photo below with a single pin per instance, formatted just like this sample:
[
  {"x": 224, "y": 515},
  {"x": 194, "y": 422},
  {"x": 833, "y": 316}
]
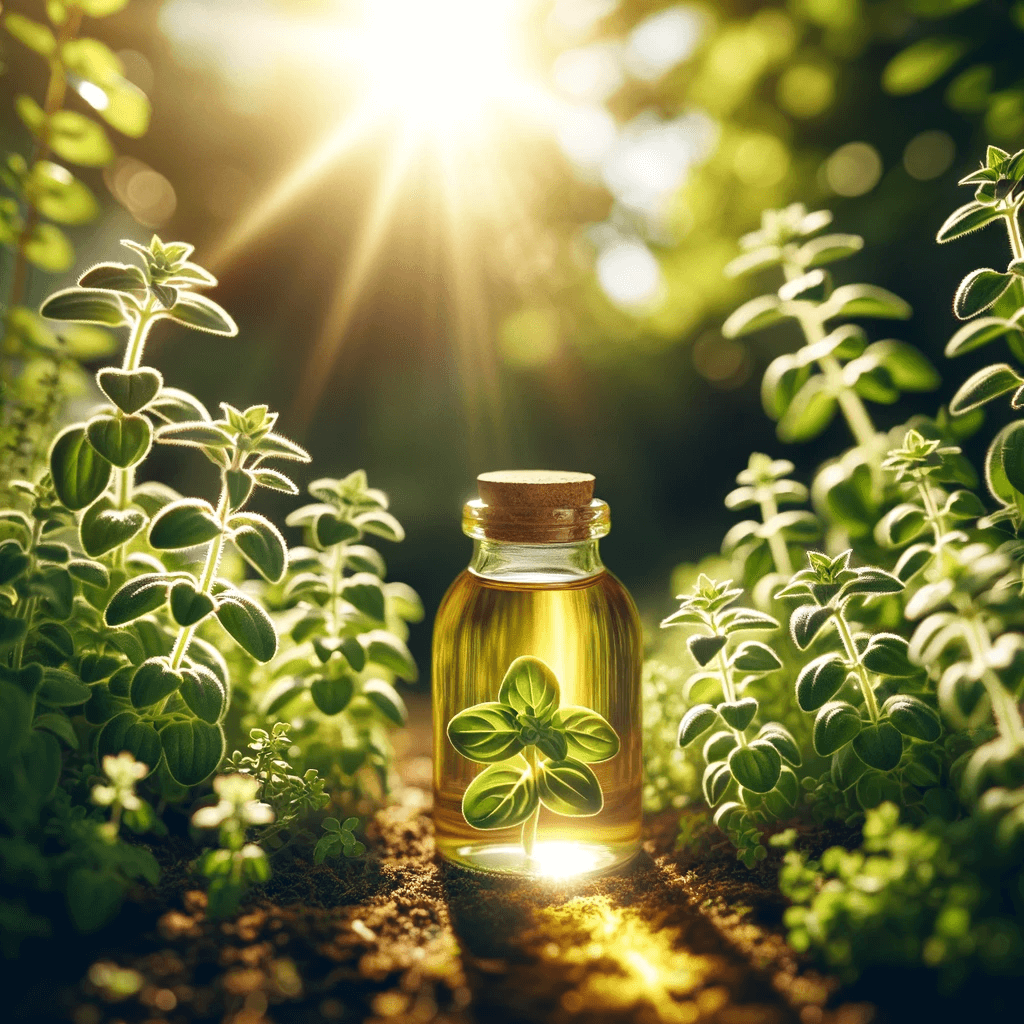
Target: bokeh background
[{"x": 491, "y": 234}]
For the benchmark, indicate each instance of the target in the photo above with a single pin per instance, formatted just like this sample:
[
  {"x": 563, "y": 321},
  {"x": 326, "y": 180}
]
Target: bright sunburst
[{"x": 445, "y": 79}]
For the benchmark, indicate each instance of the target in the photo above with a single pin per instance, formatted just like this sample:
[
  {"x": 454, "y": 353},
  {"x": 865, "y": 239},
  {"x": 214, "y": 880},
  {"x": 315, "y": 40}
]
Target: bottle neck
[{"x": 509, "y": 562}]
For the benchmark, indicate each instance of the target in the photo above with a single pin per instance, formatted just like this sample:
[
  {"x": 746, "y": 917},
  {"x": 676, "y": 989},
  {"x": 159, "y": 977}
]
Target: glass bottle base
[{"x": 554, "y": 859}]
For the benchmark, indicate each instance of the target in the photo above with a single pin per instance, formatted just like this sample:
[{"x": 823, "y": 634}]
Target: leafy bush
[
  {"x": 127, "y": 631},
  {"x": 892, "y": 700}
]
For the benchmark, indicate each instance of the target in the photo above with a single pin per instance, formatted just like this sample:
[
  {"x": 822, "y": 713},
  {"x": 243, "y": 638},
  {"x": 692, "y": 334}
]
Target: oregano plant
[{"x": 537, "y": 753}]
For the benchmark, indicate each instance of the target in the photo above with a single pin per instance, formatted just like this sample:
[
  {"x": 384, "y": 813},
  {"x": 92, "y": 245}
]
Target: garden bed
[{"x": 398, "y": 936}]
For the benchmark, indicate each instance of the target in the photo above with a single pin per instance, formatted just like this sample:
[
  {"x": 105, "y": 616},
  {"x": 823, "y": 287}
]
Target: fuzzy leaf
[
  {"x": 756, "y": 767},
  {"x": 127, "y": 731},
  {"x": 966, "y": 219},
  {"x": 387, "y": 700},
  {"x": 153, "y": 680},
  {"x": 121, "y": 440},
  {"x": 806, "y": 622},
  {"x": 385, "y": 649},
  {"x": 715, "y": 781},
  {"x": 753, "y": 656},
  {"x": 978, "y": 291},
  {"x": 204, "y": 693},
  {"x": 740, "y": 713},
  {"x": 203, "y": 314},
  {"x": 782, "y": 740},
  {"x": 867, "y": 300},
  {"x": 704, "y": 648},
  {"x": 886, "y": 654},
  {"x": 980, "y": 332},
  {"x": 819, "y": 681},
  {"x": 184, "y": 524},
  {"x": 332, "y": 695},
  {"x": 879, "y": 746},
  {"x": 140, "y": 595},
  {"x": 261, "y": 544},
  {"x": 104, "y": 526},
  {"x": 245, "y": 621},
  {"x": 696, "y": 722},
  {"x": 85, "y": 306},
  {"x": 753, "y": 316},
  {"x": 80, "y": 474},
  {"x": 912, "y": 717},
  {"x": 192, "y": 750},
  {"x": 131, "y": 390},
  {"x": 988, "y": 383},
  {"x": 835, "y": 725},
  {"x": 188, "y": 605}
]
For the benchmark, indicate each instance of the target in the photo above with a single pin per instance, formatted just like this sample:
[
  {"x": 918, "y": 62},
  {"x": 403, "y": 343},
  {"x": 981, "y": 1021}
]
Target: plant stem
[
  {"x": 776, "y": 542},
  {"x": 862, "y": 673},
  {"x": 530, "y": 825},
  {"x": 125, "y": 480},
  {"x": 215, "y": 550},
  {"x": 1004, "y": 707},
  {"x": 1013, "y": 230},
  {"x": 729, "y": 689}
]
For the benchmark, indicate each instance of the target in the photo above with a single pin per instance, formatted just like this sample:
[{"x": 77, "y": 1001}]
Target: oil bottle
[{"x": 536, "y": 688}]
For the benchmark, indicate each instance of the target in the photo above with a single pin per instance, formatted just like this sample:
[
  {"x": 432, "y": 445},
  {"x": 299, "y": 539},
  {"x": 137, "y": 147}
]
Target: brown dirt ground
[{"x": 399, "y": 938}]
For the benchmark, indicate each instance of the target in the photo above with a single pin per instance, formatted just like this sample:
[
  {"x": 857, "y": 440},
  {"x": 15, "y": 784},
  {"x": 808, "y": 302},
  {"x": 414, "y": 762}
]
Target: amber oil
[{"x": 555, "y": 601}]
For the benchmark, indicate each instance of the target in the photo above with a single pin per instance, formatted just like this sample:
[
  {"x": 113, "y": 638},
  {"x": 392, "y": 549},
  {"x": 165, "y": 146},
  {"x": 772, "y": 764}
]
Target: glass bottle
[{"x": 536, "y": 688}]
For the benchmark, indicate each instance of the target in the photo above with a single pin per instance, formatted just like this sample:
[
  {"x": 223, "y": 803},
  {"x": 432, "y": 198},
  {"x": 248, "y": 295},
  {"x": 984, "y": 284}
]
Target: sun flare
[{"x": 440, "y": 67}]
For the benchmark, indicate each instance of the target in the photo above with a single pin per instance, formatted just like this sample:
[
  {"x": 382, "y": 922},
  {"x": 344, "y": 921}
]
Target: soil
[{"x": 397, "y": 937}]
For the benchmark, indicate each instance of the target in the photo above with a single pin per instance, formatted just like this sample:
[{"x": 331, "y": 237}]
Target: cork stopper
[
  {"x": 535, "y": 488},
  {"x": 535, "y": 506}
]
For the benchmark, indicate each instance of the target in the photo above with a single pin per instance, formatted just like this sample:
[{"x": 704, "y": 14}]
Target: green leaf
[
  {"x": 871, "y": 582},
  {"x": 101, "y": 8},
  {"x": 553, "y": 745},
  {"x": 809, "y": 412},
  {"x": 189, "y": 606},
  {"x": 912, "y": 717},
  {"x": 48, "y": 248},
  {"x": 80, "y": 474},
  {"x": 366, "y": 594},
  {"x": 753, "y": 656},
  {"x": 704, "y": 648},
  {"x": 696, "y": 722},
  {"x": 192, "y": 750},
  {"x": 115, "y": 277},
  {"x": 921, "y": 64},
  {"x": 204, "y": 693},
  {"x": 62, "y": 689},
  {"x": 13, "y": 561},
  {"x": 240, "y": 484},
  {"x": 153, "y": 680},
  {"x": 886, "y": 654},
  {"x": 718, "y": 745},
  {"x": 385, "y": 649},
  {"x": 501, "y": 796},
  {"x": 867, "y": 300},
  {"x": 127, "y": 731},
  {"x": 782, "y": 740},
  {"x": 248, "y": 624},
  {"x": 879, "y": 746},
  {"x": 968, "y": 218},
  {"x": 988, "y": 383},
  {"x": 261, "y": 544},
  {"x": 715, "y": 781},
  {"x": 191, "y": 434},
  {"x": 485, "y": 733},
  {"x": 140, "y": 595},
  {"x": 15, "y": 715},
  {"x": 827, "y": 249},
  {"x": 121, "y": 440},
  {"x": 127, "y": 109},
  {"x": 273, "y": 480},
  {"x": 901, "y": 525},
  {"x": 846, "y": 767},
  {"x": 819, "y": 681},
  {"x": 753, "y": 316},
  {"x": 332, "y": 695},
  {"x": 1007, "y": 450},
  {"x": 756, "y": 767},
  {"x": 806, "y": 622},
  {"x": 203, "y": 314},
  {"x": 739, "y": 713},
  {"x": 61, "y": 727},
  {"x": 85, "y": 305},
  {"x": 132, "y": 390},
  {"x": 34, "y": 35},
  {"x": 835, "y": 725},
  {"x": 386, "y": 699},
  {"x": 978, "y": 291},
  {"x": 184, "y": 524},
  {"x": 569, "y": 787},
  {"x": 104, "y": 526},
  {"x": 79, "y": 139},
  {"x": 94, "y": 897},
  {"x": 590, "y": 737},
  {"x": 380, "y": 524},
  {"x": 530, "y": 687},
  {"x": 909, "y": 368},
  {"x": 980, "y": 332}
]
